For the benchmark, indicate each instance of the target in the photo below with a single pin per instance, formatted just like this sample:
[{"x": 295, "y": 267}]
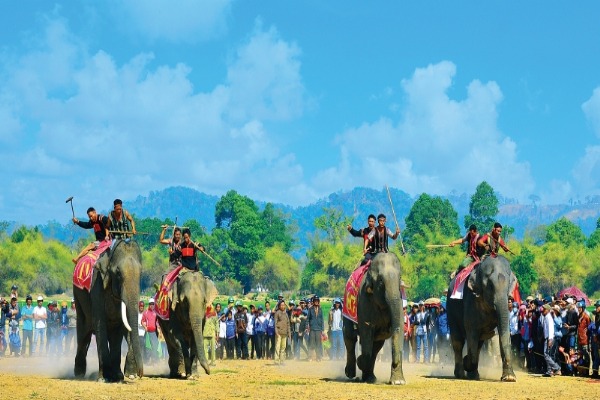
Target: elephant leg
[
  {"x": 366, "y": 348},
  {"x": 350, "y": 338},
  {"x": 130, "y": 364},
  {"x": 471, "y": 360},
  {"x": 457, "y": 346},
  {"x": 84, "y": 330},
  {"x": 114, "y": 344},
  {"x": 369, "y": 363}
]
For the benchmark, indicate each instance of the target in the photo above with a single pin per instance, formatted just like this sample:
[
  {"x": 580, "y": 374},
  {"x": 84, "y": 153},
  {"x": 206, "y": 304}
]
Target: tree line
[{"x": 254, "y": 247}]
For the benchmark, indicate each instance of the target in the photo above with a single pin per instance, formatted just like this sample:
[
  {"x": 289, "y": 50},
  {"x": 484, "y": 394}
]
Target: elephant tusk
[{"x": 124, "y": 316}]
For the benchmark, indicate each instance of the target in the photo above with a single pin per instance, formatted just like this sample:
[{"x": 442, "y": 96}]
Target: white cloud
[
  {"x": 187, "y": 21},
  {"x": 586, "y": 172},
  {"x": 439, "y": 144},
  {"x": 591, "y": 108},
  {"x": 120, "y": 130}
]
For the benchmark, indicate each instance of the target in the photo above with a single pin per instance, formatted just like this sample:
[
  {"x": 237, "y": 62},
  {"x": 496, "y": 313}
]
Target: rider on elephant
[
  {"x": 174, "y": 246},
  {"x": 379, "y": 238},
  {"x": 188, "y": 251},
  {"x": 363, "y": 233},
  {"x": 119, "y": 221},
  {"x": 490, "y": 243},
  {"x": 471, "y": 237},
  {"x": 100, "y": 225}
]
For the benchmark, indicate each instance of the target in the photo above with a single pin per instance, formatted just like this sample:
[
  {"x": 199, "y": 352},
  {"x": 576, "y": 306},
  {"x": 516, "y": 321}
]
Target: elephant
[
  {"x": 110, "y": 311},
  {"x": 380, "y": 316},
  {"x": 483, "y": 308},
  {"x": 183, "y": 331}
]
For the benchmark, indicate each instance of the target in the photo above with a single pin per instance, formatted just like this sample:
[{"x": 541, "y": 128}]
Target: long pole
[{"x": 395, "y": 219}]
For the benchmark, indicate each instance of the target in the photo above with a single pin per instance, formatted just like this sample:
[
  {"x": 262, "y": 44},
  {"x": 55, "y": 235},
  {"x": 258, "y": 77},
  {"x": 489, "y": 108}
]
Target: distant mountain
[{"x": 185, "y": 203}]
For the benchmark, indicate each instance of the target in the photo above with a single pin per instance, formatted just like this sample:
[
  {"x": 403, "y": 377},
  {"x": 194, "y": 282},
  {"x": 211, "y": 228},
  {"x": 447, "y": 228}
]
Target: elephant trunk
[
  {"x": 502, "y": 313},
  {"x": 131, "y": 311},
  {"x": 198, "y": 332},
  {"x": 393, "y": 297}
]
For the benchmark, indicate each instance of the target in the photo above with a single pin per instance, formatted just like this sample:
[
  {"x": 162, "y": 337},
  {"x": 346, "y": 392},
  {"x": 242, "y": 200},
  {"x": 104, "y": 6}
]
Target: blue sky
[{"x": 290, "y": 101}]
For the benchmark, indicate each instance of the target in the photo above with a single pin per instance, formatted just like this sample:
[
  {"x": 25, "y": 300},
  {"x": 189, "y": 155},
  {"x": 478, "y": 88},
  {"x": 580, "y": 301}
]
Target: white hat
[
  {"x": 151, "y": 301},
  {"x": 570, "y": 300},
  {"x": 40, "y": 298}
]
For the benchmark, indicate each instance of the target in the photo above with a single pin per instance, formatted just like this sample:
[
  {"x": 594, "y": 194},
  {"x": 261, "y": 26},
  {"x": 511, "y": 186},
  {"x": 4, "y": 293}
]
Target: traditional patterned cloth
[
  {"x": 162, "y": 301},
  {"x": 461, "y": 280},
  {"x": 82, "y": 274},
  {"x": 350, "y": 306}
]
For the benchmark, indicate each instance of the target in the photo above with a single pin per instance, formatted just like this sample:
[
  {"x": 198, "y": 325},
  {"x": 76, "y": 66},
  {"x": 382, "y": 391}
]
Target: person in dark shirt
[
  {"x": 97, "y": 222},
  {"x": 363, "y": 233},
  {"x": 188, "y": 251}
]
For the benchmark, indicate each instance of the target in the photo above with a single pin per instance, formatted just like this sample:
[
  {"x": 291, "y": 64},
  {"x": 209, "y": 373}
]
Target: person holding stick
[
  {"x": 492, "y": 242},
  {"x": 120, "y": 221},
  {"x": 174, "y": 246},
  {"x": 379, "y": 236},
  {"x": 97, "y": 222},
  {"x": 188, "y": 251},
  {"x": 471, "y": 238}
]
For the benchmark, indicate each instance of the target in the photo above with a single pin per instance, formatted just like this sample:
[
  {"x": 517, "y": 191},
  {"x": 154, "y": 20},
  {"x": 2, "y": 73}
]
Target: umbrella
[
  {"x": 576, "y": 292},
  {"x": 432, "y": 302}
]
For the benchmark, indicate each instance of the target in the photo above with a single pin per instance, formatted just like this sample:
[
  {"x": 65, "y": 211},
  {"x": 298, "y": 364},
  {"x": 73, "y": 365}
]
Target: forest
[{"x": 255, "y": 247}]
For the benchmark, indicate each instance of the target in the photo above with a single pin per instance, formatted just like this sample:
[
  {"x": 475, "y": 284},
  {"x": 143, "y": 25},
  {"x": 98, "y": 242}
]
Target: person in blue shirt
[
  {"x": 27, "y": 316},
  {"x": 443, "y": 335},
  {"x": 229, "y": 334}
]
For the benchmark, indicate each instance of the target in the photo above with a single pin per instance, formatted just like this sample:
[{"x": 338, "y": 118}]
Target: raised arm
[{"x": 162, "y": 239}]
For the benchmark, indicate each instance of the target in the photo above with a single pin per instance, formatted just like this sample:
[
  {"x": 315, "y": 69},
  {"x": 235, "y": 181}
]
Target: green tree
[
  {"x": 333, "y": 223},
  {"x": 565, "y": 232},
  {"x": 275, "y": 230},
  {"x": 522, "y": 266},
  {"x": 430, "y": 215},
  {"x": 277, "y": 270},
  {"x": 483, "y": 208},
  {"x": 594, "y": 240}
]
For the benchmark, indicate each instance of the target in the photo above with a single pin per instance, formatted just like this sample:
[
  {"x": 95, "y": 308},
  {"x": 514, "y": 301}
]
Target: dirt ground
[{"x": 52, "y": 378}]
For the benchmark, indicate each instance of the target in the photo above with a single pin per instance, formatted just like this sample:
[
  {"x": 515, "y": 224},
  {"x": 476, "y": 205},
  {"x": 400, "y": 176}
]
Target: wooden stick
[
  {"x": 129, "y": 233},
  {"x": 395, "y": 220},
  {"x": 433, "y": 246}
]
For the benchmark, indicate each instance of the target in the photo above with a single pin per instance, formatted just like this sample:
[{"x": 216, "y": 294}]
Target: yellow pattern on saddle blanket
[
  {"x": 161, "y": 298},
  {"x": 350, "y": 306},
  {"x": 84, "y": 269}
]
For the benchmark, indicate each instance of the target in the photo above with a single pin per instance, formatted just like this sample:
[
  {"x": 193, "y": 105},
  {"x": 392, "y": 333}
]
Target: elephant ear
[
  {"x": 473, "y": 282},
  {"x": 210, "y": 291},
  {"x": 173, "y": 294},
  {"x": 512, "y": 283},
  {"x": 101, "y": 267}
]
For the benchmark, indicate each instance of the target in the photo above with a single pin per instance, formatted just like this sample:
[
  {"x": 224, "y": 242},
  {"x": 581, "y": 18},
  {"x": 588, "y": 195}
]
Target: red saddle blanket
[
  {"x": 84, "y": 269},
  {"x": 350, "y": 307},
  {"x": 162, "y": 301},
  {"x": 461, "y": 280}
]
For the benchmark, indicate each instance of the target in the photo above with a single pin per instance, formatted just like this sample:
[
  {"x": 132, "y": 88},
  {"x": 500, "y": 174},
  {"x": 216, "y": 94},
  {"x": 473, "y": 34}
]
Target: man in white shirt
[
  {"x": 548, "y": 323},
  {"x": 39, "y": 329},
  {"x": 335, "y": 325}
]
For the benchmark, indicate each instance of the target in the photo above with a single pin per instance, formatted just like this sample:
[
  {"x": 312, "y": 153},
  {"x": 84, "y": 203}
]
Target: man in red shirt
[
  {"x": 491, "y": 242},
  {"x": 151, "y": 337},
  {"x": 582, "y": 337}
]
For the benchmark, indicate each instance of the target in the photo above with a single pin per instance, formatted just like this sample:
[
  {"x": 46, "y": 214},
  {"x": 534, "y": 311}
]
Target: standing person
[
  {"x": 241, "y": 322},
  {"x": 335, "y": 326},
  {"x": 582, "y": 338},
  {"x": 379, "y": 237},
  {"x": 595, "y": 340},
  {"x": 471, "y": 238},
  {"x": 174, "y": 246},
  {"x": 282, "y": 332},
  {"x": 571, "y": 323},
  {"x": 99, "y": 223},
  {"x": 27, "y": 316},
  {"x": 72, "y": 329},
  {"x": 260, "y": 330},
  {"x": 270, "y": 343},
  {"x": 222, "y": 335},
  {"x": 250, "y": 338},
  {"x": 515, "y": 330},
  {"x": 4, "y": 305},
  {"x": 211, "y": 333},
  {"x": 413, "y": 331},
  {"x": 443, "y": 335},
  {"x": 40, "y": 315},
  {"x": 64, "y": 328},
  {"x": 151, "y": 337},
  {"x": 188, "y": 251},
  {"x": 142, "y": 330},
  {"x": 407, "y": 334},
  {"x": 422, "y": 323},
  {"x": 119, "y": 220},
  {"x": 230, "y": 335},
  {"x": 315, "y": 326},
  {"x": 552, "y": 368},
  {"x": 490, "y": 243},
  {"x": 52, "y": 328}
]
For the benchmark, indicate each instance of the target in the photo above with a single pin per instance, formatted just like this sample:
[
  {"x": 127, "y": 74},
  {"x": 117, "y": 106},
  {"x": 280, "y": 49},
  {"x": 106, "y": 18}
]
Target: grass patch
[
  {"x": 285, "y": 383},
  {"x": 223, "y": 371}
]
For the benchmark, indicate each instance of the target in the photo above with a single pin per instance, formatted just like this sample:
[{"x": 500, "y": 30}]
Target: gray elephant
[
  {"x": 189, "y": 294},
  {"x": 483, "y": 308},
  {"x": 380, "y": 316},
  {"x": 110, "y": 311}
]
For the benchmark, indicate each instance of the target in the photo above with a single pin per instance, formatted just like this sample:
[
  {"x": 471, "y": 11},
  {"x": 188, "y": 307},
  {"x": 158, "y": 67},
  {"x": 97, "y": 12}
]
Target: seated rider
[
  {"x": 379, "y": 238},
  {"x": 120, "y": 221},
  {"x": 490, "y": 243},
  {"x": 188, "y": 251},
  {"x": 364, "y": 232},
  {"x": 471, "y": 238},
  {"x": 97, "y": 222},
  {"x": 174, "y": 246}
]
